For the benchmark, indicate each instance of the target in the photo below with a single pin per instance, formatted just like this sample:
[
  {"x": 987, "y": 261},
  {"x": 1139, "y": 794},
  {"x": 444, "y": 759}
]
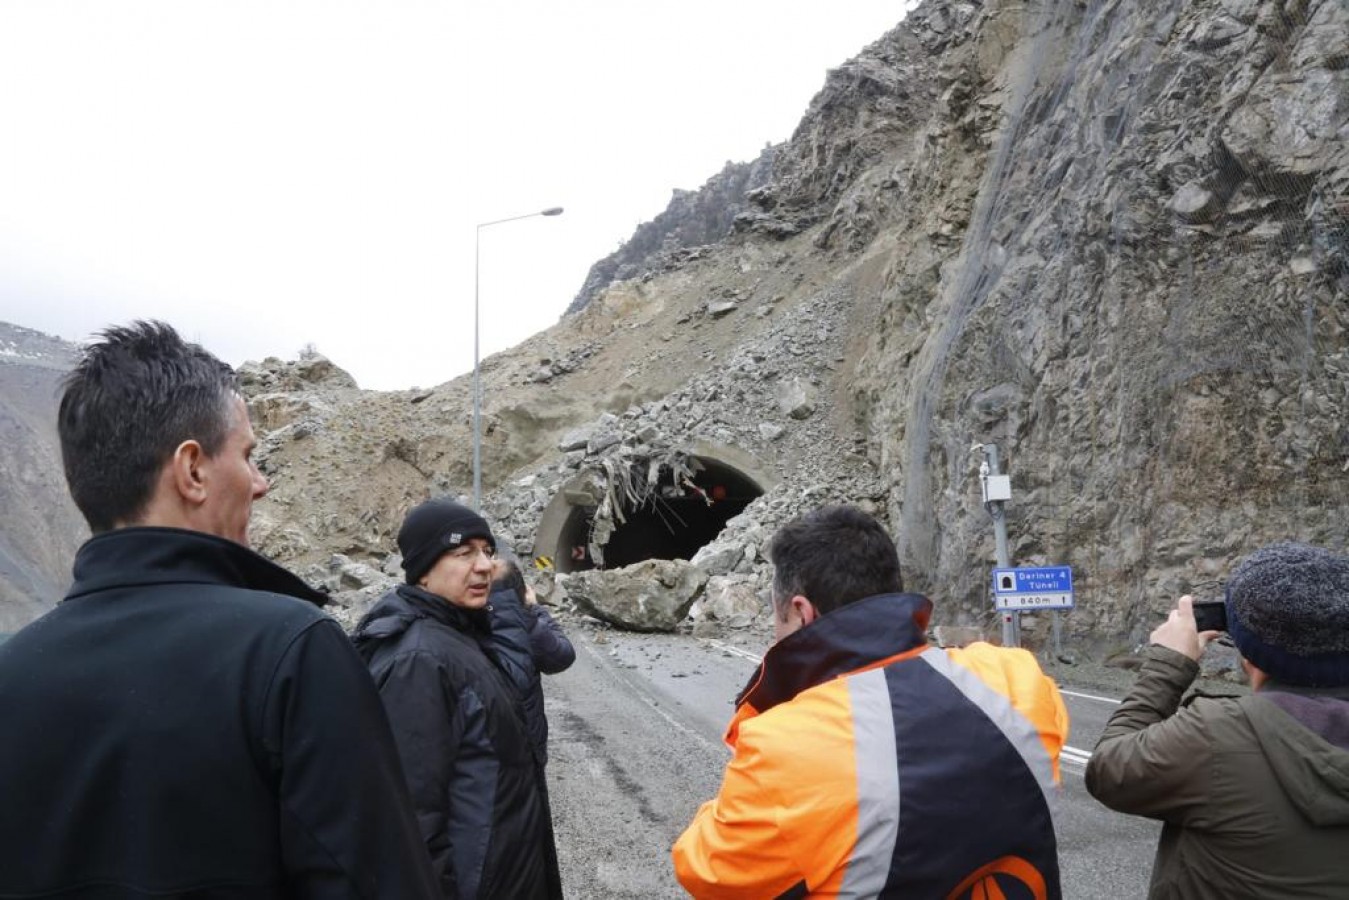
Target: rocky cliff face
[
  {"x": 693, "y": 219},
  {"x": 1111, "y": 238},
  {"x": 42, "y": 528},
  {"x": 1116, "y": 245}
]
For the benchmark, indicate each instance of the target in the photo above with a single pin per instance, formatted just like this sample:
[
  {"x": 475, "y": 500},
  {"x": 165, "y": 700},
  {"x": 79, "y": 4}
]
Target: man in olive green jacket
[{"x": 1253, "y": 790}]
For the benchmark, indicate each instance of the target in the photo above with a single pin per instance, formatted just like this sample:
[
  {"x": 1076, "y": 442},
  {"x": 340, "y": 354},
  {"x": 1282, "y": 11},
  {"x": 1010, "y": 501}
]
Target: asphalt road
[{"x": 635, "y": 747}]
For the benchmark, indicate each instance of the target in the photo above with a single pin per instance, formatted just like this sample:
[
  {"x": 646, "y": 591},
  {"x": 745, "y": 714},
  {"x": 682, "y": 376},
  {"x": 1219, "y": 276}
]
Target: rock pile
[
  {"x": 765, "y": 403},
  {"x": 768, "y": 404}
]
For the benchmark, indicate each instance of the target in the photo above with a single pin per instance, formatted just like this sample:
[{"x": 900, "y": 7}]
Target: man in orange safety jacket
[{"x": 869, "y": 764}]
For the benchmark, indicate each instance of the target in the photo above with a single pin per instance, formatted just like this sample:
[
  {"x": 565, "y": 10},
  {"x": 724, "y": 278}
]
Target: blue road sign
[{"x": 1039, "y": 587}]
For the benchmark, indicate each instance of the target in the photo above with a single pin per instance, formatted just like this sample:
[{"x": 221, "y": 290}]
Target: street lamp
[{"x": 477, "y": 378}]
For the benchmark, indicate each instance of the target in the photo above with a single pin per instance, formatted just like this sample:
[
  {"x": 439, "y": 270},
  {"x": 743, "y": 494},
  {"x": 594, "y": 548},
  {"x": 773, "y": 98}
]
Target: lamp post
[{"x": 477, "y": 378}]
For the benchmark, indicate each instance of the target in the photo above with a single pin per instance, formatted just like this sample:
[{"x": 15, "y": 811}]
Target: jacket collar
[
  {"x": 397, "y": 610},
  {"x": 434, "y": 606},
  {"x": 845, "y": 640},
  {"x": 136, "y": 557}
]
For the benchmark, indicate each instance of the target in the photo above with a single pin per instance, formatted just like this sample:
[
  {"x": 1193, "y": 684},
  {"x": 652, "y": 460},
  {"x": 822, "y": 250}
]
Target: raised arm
[
  {"x": 1153, "y": 757},
  {"x": 548, "y": 643}
]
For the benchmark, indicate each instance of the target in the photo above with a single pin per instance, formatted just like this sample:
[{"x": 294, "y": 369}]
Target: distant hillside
[{"x": 42, "y": 527}]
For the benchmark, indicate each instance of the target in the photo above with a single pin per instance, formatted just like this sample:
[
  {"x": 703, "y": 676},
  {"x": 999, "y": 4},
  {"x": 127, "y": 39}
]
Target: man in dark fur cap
[{"x": 1253, "y": 790}]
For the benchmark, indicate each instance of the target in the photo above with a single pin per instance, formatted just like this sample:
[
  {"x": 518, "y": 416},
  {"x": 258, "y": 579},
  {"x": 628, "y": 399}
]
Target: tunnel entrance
[{"x": 672, "y": 517}]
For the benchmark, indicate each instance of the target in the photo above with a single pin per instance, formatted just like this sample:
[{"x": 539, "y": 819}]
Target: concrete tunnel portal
[{"x": 674, "y": 521}]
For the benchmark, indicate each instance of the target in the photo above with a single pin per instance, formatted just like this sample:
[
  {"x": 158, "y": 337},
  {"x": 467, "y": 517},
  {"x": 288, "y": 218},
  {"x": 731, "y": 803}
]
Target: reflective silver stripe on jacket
[{"x": 877, "y": 767}]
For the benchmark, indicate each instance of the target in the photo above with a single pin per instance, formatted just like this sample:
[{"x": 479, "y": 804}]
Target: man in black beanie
[
  {"x": 459, "y": 722},
  {"x": 1253, "y": 790}
]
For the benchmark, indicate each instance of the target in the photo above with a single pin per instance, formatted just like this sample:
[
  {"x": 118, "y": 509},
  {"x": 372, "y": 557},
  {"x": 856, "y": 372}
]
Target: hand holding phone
[
  {"x": 1210, "y": 615},
  {"x": 1182, "y": 631}
]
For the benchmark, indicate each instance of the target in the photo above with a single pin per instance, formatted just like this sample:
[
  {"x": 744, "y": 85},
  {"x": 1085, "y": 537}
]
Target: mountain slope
[{"x": 42, "y": 527}]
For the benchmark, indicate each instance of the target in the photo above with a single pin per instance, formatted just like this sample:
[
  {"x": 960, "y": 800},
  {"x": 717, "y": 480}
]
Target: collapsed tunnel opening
[{"x": 674, "y": 521}]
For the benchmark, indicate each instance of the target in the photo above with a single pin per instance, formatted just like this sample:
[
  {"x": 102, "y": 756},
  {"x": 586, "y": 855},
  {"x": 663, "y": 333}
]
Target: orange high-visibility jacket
[{"x": 868, "y": 764}]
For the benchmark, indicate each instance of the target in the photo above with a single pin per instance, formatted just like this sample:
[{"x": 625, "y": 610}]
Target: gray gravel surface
[{"x": 626, "y": 771}]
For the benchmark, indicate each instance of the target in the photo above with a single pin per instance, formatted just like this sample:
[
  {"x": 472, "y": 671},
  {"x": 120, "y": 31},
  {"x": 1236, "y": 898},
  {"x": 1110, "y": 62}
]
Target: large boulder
[
  {"x": 719, "y": 557},
  {"x": 653, "y": 595}
]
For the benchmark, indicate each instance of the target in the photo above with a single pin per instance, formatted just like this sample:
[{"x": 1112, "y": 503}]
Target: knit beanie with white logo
[{"x": 433, "y": 528}]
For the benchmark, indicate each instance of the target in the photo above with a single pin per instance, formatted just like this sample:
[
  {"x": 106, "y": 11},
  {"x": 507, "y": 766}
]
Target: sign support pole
[{"x": 1011, "y": 621}]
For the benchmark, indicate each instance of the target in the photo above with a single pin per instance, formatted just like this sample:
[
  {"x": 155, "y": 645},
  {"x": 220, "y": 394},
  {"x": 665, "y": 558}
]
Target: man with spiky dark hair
[{"x": 187, "y": 722}]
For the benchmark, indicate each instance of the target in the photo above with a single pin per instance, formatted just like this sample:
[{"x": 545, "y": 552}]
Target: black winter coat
[
  {"x": 529, "y": 643},
  {"x": 478, "y": 791},
  {"x": 177, "y": 728}
]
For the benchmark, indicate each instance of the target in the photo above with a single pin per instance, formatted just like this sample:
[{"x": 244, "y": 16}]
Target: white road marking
[
  {"x": 1074, "y": 756},
  {"x": 734, "y": 651},
  {"x": 1111, "y": 700}
]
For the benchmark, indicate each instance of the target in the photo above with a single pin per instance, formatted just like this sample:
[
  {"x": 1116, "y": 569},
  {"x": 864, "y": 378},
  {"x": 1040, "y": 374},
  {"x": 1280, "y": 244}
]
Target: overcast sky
[{"x": 267, "y": 175}]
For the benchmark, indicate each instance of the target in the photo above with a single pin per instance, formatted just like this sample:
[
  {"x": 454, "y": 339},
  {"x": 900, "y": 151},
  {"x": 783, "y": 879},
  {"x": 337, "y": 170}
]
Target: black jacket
[
  {"x": 529, "y": 643},
  {"x": 177, "y": 727},
  {"x": 461, "y": 733}
]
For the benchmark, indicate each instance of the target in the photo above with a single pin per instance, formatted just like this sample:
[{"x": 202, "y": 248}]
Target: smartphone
[{"x": 1210, "y": 615}]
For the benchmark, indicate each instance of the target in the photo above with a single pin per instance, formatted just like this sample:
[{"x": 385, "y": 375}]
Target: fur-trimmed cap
[{"x": 1288, "y": 613}]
